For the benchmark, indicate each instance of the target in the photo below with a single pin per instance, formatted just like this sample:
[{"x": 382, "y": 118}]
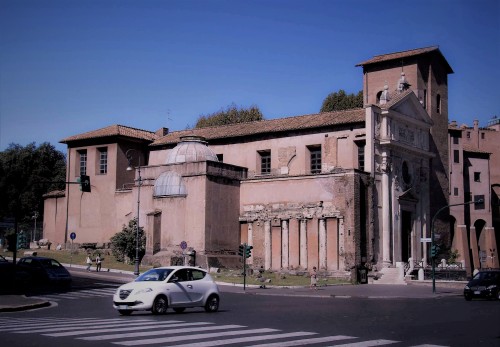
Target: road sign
[
  {"x": 425, "y": 239},
  {"x": 72, "y": 236},
  {"x": 184, "y": 245}
]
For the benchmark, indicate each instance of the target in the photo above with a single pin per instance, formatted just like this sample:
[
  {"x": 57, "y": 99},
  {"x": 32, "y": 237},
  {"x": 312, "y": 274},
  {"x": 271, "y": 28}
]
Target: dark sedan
[
  {"x": 484, "y": 284},
  {"x": 45, "y": 271}
]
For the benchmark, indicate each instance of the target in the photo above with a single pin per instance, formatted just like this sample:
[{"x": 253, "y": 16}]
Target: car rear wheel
[
  {"x": 179, "y": 309},
  {"x": 160, "y": 305},
  {"x": 125, "y": 312},
  {"x": 212, "y": 304}
]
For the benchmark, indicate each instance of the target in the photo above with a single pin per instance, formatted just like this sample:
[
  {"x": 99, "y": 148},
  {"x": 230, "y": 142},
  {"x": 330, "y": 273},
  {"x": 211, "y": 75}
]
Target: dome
[
  {"x": 169, "y": 184},
  {"x": 191, "y": 148}
]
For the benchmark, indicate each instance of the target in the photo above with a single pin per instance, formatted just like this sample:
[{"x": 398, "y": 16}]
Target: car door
[
  {"x": 178, "y": 288},
  {"x": 197, "y": 286}
]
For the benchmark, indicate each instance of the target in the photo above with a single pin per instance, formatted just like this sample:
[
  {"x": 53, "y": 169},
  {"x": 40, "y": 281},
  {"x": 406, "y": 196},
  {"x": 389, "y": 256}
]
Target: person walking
[
  {"x": 314, "y": 278},
  {"x": 98, "y": 262},
  {"x": 89, "y": 262}
]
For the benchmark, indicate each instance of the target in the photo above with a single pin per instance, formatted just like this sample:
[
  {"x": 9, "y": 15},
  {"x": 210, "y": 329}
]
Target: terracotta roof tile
[
  {"x": 405, "y": 54},
  {"x": 113, "y": 130},
  {"x": 311, "y": 121}
]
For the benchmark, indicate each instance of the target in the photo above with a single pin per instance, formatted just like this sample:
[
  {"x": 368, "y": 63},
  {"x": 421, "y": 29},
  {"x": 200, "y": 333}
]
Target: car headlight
[
  {"x": 493, "y": 286},
  {"x": 144, "y": 290},
  {"x": 467, "y": 288}
]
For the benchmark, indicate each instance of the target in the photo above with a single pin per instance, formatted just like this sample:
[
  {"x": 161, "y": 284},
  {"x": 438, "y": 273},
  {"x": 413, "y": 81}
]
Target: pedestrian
[
  {"x": 314, "y": 278},
  {"x": 89, "y": 262},
  {"x": 98, "y": 262}
]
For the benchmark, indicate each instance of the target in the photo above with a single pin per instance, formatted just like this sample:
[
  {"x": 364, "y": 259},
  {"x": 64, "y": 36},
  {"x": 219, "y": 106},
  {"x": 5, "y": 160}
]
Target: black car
[
  {"x": 45, "y": 271},
  {"x": 484, "y": 284}
]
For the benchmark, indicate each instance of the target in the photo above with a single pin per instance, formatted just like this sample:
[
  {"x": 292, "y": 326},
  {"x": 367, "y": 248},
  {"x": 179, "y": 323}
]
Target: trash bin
[{"x": 362, "y": 275}]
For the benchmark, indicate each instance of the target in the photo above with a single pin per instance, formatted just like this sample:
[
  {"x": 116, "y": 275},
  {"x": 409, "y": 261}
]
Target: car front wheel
[
  {"x": 212, "y": 304},
  {"x": 160, "y": 305}
]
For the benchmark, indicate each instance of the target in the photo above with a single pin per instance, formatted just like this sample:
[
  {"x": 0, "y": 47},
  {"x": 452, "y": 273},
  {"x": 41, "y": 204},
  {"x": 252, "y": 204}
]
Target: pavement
[{"x": 413, "y": 290}]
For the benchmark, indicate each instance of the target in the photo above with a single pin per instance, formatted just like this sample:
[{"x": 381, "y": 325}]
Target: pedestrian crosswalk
[
  {"x": 176, "y": 333},
  {"x": 78, "y": 294}
]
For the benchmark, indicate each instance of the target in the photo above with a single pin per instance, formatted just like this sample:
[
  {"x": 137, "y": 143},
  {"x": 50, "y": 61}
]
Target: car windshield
[
  {"x": 154, "y": 275},
  {"x": 50, "y": 263},
  {"x": 486, "y": 275}
]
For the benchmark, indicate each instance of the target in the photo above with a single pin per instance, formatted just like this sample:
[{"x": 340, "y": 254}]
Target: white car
[{"x": 178, "y": 287}]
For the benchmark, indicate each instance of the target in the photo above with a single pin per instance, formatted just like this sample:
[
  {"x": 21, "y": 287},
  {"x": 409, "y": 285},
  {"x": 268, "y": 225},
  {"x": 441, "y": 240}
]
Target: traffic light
[
  {"x": 434, "y": 251},
  {"x": 248, "y": 251},
  {"x": 85, "y": 183},
  {"x": 241, "y": 250}
]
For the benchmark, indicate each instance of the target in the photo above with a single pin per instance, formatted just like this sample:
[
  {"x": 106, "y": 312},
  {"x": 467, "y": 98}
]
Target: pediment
[{"x": 410, "y": 108}]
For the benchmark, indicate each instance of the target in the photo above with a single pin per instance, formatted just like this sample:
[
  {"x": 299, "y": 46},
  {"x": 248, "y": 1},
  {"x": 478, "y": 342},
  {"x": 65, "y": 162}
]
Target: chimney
[
  {"x": 162, "y": 131},
  {"x": 453, "y": 123},
  {"x": 476, "y": 124}
]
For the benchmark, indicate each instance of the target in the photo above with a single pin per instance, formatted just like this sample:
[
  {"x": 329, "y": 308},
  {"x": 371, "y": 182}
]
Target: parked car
[
  {"x": 45, "y": 271},
  {"x": 484, "y": 284},
  {"x": 178, "y": 287}
]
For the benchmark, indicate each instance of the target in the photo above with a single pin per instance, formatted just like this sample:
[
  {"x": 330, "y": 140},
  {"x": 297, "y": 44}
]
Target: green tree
[
  {"x": 232, "y": 114},
  {"x": 123, "y": 243},
  {"x": 341, "y": 101},
  {"x": 26, "y": 173}
]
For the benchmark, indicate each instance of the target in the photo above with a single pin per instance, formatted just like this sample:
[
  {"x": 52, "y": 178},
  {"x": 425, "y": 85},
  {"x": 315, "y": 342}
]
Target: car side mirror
[{"x": 174, "y": 279}]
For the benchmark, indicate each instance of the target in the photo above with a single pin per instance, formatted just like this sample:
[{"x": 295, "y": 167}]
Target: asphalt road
[{"x": 85, "y": 317}]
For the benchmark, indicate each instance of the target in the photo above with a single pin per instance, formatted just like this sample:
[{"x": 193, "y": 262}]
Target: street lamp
[
  {"x": 130, "y": 168},
  {"x": 432, "y": 237}
]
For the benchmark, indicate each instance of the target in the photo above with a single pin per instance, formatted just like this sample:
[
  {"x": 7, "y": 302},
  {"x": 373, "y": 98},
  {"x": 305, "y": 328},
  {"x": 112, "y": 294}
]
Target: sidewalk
[{"x": 414, "y": 290}]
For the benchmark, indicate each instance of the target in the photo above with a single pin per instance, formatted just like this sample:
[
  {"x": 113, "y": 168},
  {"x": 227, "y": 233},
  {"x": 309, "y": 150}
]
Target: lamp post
[
  {"x": 432, "y": 238},
  {"x": 139, "y": 179}
]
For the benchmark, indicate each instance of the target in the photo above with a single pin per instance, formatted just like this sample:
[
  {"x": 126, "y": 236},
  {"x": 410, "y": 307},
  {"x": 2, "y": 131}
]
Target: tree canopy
[
  {"x": 123, "y": 243},
  {"x": 232, "y": 114},
  {"x": 341, "y": 101},
  {"x": 24, "y": 173}
]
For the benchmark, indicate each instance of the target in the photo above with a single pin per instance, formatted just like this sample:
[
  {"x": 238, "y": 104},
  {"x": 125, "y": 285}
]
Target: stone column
[
  {"x": 322, "y": 244},
  {"x": 267, "y": 244},
  {"x": 386, "y": 211},
  {"x": 284, "y": 244},
  {"x": 303, "y": 243},
  {"x": 476, "y": 263}
]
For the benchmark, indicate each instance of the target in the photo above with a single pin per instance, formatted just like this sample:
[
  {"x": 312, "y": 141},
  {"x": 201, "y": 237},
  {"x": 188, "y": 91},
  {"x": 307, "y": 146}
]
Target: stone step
[{"x": 391, "y": 275}]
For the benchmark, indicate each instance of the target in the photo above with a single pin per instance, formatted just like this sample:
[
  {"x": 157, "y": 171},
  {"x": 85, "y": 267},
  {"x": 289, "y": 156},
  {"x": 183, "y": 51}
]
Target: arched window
[{"x": 379, "y": 94}]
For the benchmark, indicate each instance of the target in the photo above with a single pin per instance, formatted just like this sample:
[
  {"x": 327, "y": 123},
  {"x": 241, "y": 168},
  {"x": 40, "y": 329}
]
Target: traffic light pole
[{"x": 432, "y": 239}]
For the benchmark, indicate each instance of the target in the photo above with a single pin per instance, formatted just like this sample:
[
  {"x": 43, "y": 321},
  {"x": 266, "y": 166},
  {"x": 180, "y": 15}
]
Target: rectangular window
[
  {"x": 477, "y": 177},
  {"x": 361, "y": 155},
  {"x": 468, "y": 134},
  {"x": 455, "y": 191},
  {"x": 265, "y": 162},
  {"x": 220, "y": 157},
  {"x": 103, "y": 160},
  {"x": 479, "y": 202},
  {"x": 456, "y": 156},
  {"x": 315, "y": 161},
  {"x": 482, "y": 136},
  {"x": 455, "y": 140},
  {"x": 82, "y": 154}
]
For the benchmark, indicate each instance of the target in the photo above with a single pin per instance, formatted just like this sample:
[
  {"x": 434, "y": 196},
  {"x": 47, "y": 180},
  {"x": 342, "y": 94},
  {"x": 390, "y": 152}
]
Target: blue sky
[{"x": 67, "y": 67}]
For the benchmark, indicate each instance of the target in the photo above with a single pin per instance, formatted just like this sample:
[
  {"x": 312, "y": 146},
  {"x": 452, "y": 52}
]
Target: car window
[
  {"x": 154, "y": 275},
  {"x": 197, "y": 275},
  {"x": 181, "y": 275}
]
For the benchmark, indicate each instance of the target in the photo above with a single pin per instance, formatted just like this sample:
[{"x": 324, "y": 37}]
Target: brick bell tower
[{"x": 425, "y": 71}]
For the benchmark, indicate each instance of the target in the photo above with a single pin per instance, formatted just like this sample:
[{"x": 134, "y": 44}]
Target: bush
[{"x": 123, "y": 243}]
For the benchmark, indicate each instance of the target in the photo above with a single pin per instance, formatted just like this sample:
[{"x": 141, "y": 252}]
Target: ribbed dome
[
  {"x": 191, "y": 148},
  {"x": 169, "y": 184}
]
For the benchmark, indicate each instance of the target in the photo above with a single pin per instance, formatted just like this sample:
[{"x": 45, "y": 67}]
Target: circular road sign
[
  {"x": 184, "y": 245},
  {"x": 72, "y": 236}
]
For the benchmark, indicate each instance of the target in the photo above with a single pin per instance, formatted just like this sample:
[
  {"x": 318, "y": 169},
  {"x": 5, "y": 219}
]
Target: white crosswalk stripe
[{"x": 145, "y": 331}]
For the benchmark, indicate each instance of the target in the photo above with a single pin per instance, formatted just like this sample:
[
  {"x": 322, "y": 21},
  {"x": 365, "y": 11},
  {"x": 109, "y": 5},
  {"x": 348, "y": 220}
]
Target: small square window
[
  {"x": 103, "y": 160},
  {"x": 468, "y": 134},
  {"x": 455, "y": 140},
  {"x": 479, "y": 202}
]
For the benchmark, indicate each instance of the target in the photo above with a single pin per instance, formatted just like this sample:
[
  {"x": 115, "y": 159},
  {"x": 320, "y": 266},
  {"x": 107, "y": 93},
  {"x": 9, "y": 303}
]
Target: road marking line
[
  {"x": 193, "y": 337},
  {"x": 245, "y": 339},
  {"x": 306, "y": 341},
  {"x": 54, "y": 323},
  {"x": 367, "y": 343},
  {"x": 157, "y": 333},
  {"x": 86, "y": 326}
]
